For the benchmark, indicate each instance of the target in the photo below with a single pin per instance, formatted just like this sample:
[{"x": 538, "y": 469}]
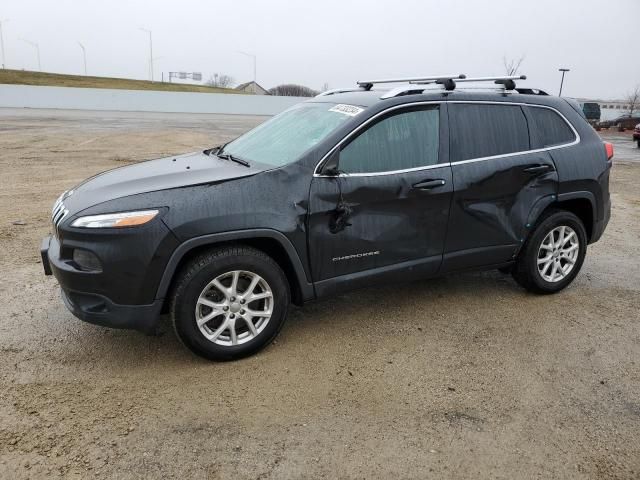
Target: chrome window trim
[{"x": 437, "y": 165}]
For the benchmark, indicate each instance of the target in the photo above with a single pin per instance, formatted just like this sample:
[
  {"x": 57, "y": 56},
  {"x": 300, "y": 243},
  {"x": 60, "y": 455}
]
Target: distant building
[{"x": 252, "y": 87}]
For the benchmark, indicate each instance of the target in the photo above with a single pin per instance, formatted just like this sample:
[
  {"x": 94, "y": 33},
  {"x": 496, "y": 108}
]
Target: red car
[{"x": 636, "y": 134}]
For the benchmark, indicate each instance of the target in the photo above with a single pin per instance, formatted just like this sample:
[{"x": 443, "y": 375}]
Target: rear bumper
[
  {"x": 90, "y": 306},
  {"x": 600, "y": 225}
]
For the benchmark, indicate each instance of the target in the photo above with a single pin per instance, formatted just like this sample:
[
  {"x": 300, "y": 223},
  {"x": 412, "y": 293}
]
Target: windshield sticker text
[{"x": 350, "y": 110}]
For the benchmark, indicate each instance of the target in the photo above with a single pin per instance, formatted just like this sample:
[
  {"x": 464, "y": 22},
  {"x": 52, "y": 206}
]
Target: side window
[
  {"x": 548, "y": 128},
  {"x": 404, "y": 140},
  {"x": 480, "y": 130}
]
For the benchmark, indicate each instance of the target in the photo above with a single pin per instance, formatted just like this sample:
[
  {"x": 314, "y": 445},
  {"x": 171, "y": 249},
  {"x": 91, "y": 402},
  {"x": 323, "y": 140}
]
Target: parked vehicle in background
[
  {"x": 626, "y": 122},
  {"x": 636, "y": 134},
  {"x": 591, "y": 112},
  {"x": 353, "y": 188}
]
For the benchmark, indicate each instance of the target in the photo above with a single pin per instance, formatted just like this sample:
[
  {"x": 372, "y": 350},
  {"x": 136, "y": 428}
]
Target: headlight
[{"x": 115, "y": 220}]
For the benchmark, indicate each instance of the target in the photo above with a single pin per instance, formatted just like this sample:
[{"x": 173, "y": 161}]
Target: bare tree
[
  {"x": 292, "y": 90},
  {"x": 220, "y": 80},
  {"x": 633, "y": 99},
  {"x": 511, "y": 66}
]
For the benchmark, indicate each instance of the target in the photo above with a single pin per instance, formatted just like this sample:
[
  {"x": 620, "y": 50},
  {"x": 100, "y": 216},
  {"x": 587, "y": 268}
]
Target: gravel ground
[{"x": 466, "y": 376}]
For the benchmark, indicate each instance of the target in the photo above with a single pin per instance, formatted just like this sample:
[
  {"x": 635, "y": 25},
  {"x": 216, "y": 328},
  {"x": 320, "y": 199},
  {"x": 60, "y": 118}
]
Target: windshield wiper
[
  {"x": 233, "y": 158},
  {"x": 218, "y": 152}
]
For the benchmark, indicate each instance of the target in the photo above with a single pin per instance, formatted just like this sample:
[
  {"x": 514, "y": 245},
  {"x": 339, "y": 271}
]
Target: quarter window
[
  {"x": 401, "y": 141},
  {"x": 480, "y": 130},
  {"x": 548, "y": 128}
]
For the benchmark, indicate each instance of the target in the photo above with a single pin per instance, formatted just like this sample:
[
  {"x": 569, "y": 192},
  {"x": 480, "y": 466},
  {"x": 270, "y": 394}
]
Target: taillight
[{"x": 608, "y": 147}]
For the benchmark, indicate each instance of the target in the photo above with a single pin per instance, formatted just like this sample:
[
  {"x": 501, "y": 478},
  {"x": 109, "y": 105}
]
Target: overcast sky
[{"x": 335, "y": 41}]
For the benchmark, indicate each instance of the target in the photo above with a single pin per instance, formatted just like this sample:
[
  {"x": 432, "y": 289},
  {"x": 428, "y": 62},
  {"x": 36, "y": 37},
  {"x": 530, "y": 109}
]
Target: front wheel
[
  {"x": 553, "y": 255},
  {"x": 229, "y": 303}
]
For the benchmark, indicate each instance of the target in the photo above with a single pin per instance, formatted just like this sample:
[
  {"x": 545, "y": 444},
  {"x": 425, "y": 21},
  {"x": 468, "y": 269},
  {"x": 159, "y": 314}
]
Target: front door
[{"x": 385, "y": 214}]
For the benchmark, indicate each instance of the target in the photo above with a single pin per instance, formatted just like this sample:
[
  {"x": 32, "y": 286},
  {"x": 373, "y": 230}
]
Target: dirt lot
[{"x": 461, "y": 377}]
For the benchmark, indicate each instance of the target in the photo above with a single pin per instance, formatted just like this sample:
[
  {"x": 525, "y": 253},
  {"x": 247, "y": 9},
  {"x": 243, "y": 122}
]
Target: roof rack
[
  {"x": 414, "y": 85},
  {"x": 368, "y": 84},
  {"x": 508, "y": 82}
]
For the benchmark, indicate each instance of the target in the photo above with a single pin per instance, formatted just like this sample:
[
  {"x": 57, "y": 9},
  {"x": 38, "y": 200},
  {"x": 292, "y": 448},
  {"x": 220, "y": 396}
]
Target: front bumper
[{"x": 90, "y": 306}]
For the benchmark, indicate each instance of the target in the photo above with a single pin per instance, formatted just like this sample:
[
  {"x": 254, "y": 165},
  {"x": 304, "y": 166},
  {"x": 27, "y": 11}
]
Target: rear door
[
  {"x": 387, "y": 210},
  {"x": 498, "y": 177}
]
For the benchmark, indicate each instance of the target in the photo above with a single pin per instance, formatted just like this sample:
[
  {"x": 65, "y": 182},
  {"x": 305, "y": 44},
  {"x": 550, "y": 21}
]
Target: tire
[
  {"x": 195, "y": 296},
  {"x": 526, "y": 271},
  {"x": 638, "y": 143}
]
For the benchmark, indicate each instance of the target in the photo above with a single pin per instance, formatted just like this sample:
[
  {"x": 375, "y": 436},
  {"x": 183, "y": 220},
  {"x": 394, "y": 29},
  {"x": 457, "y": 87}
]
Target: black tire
[
  {"x": 525, "y": 271},
  {"x": 197, "y": 274},
  {"x": 638, "y": 143}
]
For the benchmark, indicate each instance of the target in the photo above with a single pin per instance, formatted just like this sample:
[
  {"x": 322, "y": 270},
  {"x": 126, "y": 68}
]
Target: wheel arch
[
  {"x": 271, "y": 242},
  {"x": 582, "y": 204}
]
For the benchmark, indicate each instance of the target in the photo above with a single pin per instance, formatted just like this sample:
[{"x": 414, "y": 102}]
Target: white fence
[{"x": 27, "y": 96}]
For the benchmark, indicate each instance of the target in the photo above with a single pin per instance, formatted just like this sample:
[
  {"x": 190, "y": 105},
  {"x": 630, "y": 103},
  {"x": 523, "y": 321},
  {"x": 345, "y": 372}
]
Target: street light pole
[
  {"x": 84, "y": 57},
  {"x": 150, "y": 52},
  {"x": 4, "y": 61},
  {"x": 37, "y": 47},
  {"x": 254, "y": 63},
  {"x": 563, "y": 70}
]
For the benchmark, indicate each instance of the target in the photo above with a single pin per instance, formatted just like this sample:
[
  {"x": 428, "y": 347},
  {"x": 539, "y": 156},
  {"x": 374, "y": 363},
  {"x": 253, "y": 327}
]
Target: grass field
[{"x": 22, "y": 77}]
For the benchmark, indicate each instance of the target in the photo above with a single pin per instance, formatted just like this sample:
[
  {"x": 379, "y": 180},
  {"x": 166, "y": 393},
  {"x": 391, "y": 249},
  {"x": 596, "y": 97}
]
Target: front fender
[{"x": 306, "y": 287}]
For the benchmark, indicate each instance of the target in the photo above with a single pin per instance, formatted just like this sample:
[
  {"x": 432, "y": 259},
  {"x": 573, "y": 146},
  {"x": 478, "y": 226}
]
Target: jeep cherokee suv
[{"x": 349, "y": 189}]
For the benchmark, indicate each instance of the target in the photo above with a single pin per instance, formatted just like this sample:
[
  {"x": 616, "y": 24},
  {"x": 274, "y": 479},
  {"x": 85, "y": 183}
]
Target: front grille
[{"x": 59, "y": 212}]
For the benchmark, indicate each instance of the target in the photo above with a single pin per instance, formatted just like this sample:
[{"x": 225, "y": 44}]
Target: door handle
[
  {"x": 429, "y": 184},
  {"x": 538, "y": 168}
]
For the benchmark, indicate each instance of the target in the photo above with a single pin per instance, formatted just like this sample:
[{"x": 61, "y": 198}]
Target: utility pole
[
  {"x": 4, "y": 60},
  {"x": 37, "y": 47},
  {"x": 254, "y": 62},
  {"x": 150, "y": 52},
  {"x": 563, "y": 70},
  {"x": 84, "y": 57}
]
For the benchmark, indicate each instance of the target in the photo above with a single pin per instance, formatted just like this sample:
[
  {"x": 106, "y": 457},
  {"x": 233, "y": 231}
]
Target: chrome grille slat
[{"x": 58, "y": 212}]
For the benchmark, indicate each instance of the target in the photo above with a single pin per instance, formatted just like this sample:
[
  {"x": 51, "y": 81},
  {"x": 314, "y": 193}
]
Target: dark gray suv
[{"x": 352, "y": 188}]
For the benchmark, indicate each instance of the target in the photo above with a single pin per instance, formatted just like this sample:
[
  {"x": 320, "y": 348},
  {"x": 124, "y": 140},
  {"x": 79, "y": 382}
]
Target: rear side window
[
  {"x": 409, "y": 139},
  {"x": 548, "y": 129},
  {"x": 480, "y": 130}
]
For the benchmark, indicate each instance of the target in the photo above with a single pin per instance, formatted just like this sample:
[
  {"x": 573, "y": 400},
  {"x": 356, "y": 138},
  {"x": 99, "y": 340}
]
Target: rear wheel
[
  {"x": 553, "y": 255},
  {"x": 229, "y": 303}
]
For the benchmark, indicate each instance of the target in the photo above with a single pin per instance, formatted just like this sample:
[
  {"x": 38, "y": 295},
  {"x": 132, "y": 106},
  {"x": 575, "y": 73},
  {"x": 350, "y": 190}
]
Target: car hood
[{"x": 153, "y": 175}]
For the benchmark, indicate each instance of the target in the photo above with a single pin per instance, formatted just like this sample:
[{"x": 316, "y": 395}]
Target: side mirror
[{"x": 330, "y": 168}]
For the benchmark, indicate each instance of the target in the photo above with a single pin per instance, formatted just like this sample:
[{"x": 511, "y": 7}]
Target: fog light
[{"x": 86, "y": 260}]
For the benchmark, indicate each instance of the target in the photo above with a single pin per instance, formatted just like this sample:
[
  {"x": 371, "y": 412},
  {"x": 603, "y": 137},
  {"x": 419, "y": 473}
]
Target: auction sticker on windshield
[{"x": 350, "y": 110}]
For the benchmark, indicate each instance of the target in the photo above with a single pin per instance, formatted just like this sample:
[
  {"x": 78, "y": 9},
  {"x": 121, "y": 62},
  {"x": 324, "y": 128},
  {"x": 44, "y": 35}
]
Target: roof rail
[
  {"x": 531, "y": 91},
  {"x": 367, "y": 84},
  {"x": 338, "y": 90}
]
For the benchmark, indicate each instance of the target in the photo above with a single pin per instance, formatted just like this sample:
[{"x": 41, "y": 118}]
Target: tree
[
  {"x": 220, "y": 80},
  {"x": 512, "y": 66},
  {"x": 633, "y": 99},
  {"x": 292, "y": 90}
]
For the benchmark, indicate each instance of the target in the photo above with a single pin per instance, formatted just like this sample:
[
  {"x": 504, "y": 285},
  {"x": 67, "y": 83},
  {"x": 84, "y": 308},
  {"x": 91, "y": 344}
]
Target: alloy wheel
[
  {"x": 234, "y": 308},
  {"x": 558, "y": 253}
]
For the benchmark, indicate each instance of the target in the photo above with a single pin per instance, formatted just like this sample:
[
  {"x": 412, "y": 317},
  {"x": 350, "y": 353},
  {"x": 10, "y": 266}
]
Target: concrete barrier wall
[{"x": 27, "y": 96}]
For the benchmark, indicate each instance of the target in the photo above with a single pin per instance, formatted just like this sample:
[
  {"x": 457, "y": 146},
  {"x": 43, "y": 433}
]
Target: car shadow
[{"x": 126, "y": 349}]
